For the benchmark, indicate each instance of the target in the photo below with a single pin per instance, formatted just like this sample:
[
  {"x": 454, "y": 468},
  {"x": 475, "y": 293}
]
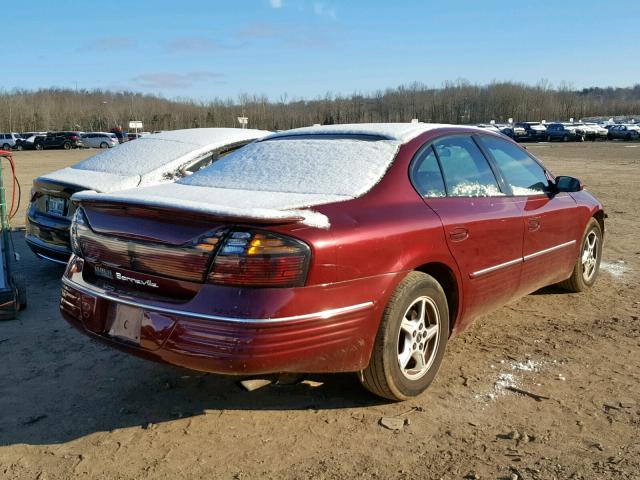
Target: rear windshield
[
  {"x": 310, "y": 164},
  {"x": 137, "y": 158}
]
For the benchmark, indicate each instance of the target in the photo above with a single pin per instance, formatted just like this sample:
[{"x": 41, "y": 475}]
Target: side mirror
[{"x": 568, "y": 184}]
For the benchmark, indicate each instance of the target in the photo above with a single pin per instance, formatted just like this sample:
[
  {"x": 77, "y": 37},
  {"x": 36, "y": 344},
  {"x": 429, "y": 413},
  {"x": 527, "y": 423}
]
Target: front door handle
[
  {"x": 533, "y": 224},
  {"x": 459, "y": 234}
]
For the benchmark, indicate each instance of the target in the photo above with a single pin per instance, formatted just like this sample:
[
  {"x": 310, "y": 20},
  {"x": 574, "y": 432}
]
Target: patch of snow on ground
[
  {"x": 615, "y": 269},
  {"x": 509, "y": 376}
]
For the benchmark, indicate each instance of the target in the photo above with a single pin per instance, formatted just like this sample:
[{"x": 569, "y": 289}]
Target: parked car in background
[
  {"x": 133, "y": 136},
  {"x": 350, "y": 248},
  {"x": 563, "y": 132},
  {"x": 624, "y": 132},
  {"x": 33, "y": 142},
  {"x": 147, "y": 161},
  {"x": 8, "y": 140},
  {"x": 533, "y": 131},
  {"x": 65, "y": 140},
  {"x": 591, "y": 131},
  {"x": 99, "y": 140}
]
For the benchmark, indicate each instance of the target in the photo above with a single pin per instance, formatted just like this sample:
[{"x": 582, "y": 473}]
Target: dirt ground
[{"x": 69, "y": 406}]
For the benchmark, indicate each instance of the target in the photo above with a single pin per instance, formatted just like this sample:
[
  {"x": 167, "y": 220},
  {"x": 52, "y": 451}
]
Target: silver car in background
[{"x": 99, "y": 140}]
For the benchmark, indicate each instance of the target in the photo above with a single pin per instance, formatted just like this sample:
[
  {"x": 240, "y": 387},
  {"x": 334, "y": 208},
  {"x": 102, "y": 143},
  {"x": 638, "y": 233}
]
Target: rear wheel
[
  {"x": 585, "y": 270},
  {"x": 66, "y": 146},
  {"x": 6, "y": 146},
  {"x": 565, "y": 138},
  {"x": 411, "y": 339},
  {"x": 19, "y": 283},
  {"x": 39, "y": 146},
  {"x": 19, "y": 148},
  {"x": 104, "y": 145},
  {"x": 548, "y": 138}
]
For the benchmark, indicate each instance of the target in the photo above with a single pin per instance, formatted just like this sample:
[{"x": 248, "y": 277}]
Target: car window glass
[
  {"x": 426, "y": 175},
  {"x": 466, "y": 171},
  {"x": 520, "y": 171}
]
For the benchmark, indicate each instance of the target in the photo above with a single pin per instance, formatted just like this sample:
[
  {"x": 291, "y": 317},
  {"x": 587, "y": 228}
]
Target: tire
[
  {"x": 39, "y": 146},
  {"x": 565, "y": 138},
  {"x": 6, "y": 146},
  {"x": 548, "y": 138},
  {"x": 19, "y": 284},
  {"x": 66, "y": 146},
  {"x": 584, "y": 277},
  {"x": 104, "y": 145},
  {"x": 384, "y": 376},
  {"x": 19, "y": 148}
]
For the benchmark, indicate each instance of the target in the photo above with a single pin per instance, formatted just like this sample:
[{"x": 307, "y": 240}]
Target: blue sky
[{"x": 306, "y": 48}]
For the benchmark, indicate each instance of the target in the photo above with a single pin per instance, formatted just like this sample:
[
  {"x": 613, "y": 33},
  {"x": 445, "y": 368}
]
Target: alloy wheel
[
  {"x": 589, "y": 257},
  {"x": 418, "y": 338}
]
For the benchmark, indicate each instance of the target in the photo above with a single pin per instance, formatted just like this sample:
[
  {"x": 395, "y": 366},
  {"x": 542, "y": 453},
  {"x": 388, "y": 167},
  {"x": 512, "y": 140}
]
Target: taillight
[
  {"x": 79, "y": 226},
  {"x": 260, "y": 259}
]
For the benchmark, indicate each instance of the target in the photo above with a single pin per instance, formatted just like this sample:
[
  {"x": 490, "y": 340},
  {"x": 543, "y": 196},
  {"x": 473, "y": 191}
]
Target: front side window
[
  {"x": 466, "y": 172},
  {"x": 426, "y": 175},
  {"x": 524, "y": 175}
]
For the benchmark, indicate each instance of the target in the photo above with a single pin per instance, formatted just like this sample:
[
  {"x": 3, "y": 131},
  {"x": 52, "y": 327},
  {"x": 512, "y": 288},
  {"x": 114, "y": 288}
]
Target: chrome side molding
[
  {"x": 516, "y": 261},
  {"x": 323, "y": 315}
]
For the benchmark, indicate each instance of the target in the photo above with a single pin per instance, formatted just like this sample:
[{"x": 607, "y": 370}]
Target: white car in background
[
  {"x": 592, "y": 131},
  {"x": 150, "y": 160},
  {"x": 99, "y": 140},
  {"x": 8, "y": 140}
]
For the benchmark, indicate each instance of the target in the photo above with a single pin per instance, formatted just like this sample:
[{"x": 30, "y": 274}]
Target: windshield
[{"x": 344, "y": 166}]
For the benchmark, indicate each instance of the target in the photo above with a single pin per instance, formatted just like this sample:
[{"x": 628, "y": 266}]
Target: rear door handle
[
  {"x": 533, "y": 224},
  {"x": 459, "y": 234}
]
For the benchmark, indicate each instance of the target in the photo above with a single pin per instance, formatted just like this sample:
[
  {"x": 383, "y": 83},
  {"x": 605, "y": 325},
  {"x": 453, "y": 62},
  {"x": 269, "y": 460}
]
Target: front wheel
[
  {"x": 548, "y": 138},
  {"x": 587, "y": 266},
  {"x": 39, "y": 146},
  {"x": 66, "y": 146},
  {"x": 104, "y": 145},
  {"x": 411, "y": 339}
]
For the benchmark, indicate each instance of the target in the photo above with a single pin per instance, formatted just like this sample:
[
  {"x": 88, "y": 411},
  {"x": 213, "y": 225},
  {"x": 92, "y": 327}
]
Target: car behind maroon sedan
[{"x": 357, "y": 248}]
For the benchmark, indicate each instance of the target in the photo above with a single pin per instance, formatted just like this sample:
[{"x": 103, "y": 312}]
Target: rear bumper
[
  {"x": 280, "y": 330},
  {"x": 48, "y": 238}
]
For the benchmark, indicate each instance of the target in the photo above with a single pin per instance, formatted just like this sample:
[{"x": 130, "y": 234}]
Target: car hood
[{"x": 92, "y": 180}]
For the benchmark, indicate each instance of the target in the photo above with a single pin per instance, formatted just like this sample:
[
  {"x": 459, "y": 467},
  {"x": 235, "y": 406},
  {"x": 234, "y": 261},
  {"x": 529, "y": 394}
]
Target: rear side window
[
  {"x": 524, "y": 175},
  {"x": 466, "y": 172},
  {"x": 426, "y": 174}
]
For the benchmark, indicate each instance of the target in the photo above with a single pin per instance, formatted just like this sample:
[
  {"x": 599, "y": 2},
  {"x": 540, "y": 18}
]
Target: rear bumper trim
[{"x": 323, "y": 315}]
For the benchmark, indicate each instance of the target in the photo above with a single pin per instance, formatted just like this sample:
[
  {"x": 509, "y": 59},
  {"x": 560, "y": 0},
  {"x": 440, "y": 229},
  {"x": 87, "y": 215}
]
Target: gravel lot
[{"x": 69, "y": 406}]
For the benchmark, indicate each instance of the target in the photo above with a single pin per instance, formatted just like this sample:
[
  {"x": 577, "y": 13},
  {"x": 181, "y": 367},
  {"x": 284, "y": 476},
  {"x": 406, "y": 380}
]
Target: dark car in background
[
  {"x": 153, "y": 159},
  {"x": 533, "y": 131},
  {"x": 65, "y": 140},
  {"x": 624, "y": 132},
  {"x": 564, "y": 133},
  {"x": 33, "y": 142}
]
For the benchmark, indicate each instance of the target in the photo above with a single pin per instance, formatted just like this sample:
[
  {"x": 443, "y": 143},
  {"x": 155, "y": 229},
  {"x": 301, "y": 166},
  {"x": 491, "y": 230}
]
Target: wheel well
[
  {"x": 600, "y": 216},
  {"x": 447, "y": 279}
]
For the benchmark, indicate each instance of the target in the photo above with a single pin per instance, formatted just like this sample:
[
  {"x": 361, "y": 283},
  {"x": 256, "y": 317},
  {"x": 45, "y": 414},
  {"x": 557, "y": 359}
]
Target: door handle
[
  {"x": 459, "y": 234},
  {"x": 533, "y": 224}
]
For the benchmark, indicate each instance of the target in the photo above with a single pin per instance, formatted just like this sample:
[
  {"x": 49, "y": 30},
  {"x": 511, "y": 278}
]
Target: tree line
[{"x": 457, "y": 102}]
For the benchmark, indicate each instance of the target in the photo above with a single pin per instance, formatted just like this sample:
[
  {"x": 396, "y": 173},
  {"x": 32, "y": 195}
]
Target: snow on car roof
[
  {"x": 154, "y": 151},
  {"x": 401, "y": 132}
]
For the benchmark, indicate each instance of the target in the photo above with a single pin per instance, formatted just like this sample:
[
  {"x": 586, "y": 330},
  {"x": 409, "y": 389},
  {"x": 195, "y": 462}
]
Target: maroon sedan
[{"x": 357, "y": 248}]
